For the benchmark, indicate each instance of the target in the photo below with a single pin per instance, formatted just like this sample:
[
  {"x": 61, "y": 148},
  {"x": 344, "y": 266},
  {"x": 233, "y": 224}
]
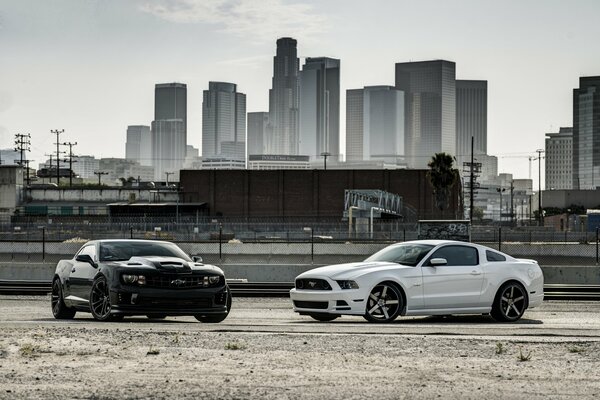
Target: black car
[{"x": 116, "y": 278}]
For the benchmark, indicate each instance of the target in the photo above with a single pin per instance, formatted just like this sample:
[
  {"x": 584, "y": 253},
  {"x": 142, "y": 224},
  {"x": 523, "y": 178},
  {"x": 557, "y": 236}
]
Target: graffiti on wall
[{"x": 446, "y": 230}]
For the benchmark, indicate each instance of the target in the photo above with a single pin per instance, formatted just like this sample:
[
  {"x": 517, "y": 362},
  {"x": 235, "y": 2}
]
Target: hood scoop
[{"x": 165, "y": 264}]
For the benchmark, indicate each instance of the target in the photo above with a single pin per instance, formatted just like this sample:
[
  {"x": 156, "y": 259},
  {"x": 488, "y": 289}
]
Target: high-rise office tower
[
  {"x": 430, "y": 90},
  {"x": 320, "y": 107},
  {"x": 169, "y": 129},
  {"x": 257, "y": 132},
  {"x": 284, "y": 100},
  {"x": 223, "y": 122},
  {"x": 559, "y": 159},
  {"x": 586, "y": 133},
  {"x": 139, "y": 144},
  {"x": 471, "y": 119},
  {"x": 375, "y": 124}
]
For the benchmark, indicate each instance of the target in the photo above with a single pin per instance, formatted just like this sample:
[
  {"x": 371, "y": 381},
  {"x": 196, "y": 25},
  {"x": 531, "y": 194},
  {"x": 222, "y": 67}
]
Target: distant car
[
  {"x": 423, "y": 277},
  {"x": 117, "y": 278}
]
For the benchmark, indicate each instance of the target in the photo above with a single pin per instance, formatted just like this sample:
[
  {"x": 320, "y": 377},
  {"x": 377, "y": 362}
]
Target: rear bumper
[{"x": 138, "y": 300}]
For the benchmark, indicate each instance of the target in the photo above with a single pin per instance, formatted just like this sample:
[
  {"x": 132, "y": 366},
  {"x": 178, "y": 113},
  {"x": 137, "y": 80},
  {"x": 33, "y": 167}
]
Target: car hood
[
  {"x": 351, "y": 270},
  {"x": 169, "y": 265}
]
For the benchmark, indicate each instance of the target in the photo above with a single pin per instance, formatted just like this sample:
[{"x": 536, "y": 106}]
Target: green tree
[{"x": 442, "y": 176}]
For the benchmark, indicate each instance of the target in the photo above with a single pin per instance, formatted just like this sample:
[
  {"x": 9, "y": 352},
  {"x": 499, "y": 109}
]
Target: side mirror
[
  {"x": 438, "y": 261},
  {"x": 85, "y": 258},
  {"x": 197, "y": 258}
]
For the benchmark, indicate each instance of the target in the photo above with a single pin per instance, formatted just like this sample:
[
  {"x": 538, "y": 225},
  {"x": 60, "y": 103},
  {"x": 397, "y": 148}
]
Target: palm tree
[{"x": 442, "y": 176}]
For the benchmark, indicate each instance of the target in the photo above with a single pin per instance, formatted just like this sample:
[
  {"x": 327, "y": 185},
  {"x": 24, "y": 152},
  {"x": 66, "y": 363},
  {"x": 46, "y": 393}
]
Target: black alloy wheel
[
  {"x": 100, "y": 300},
  {"x": 59, "y": 308},
  {"x": 510, "y": 302},
  {"x": 215, "y": 318},
  {"x": 323, "y": 317},
  {"x": 384, "y": 303}
]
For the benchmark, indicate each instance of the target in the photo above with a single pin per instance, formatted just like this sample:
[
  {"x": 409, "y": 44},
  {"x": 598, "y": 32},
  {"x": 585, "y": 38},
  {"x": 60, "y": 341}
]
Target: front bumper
[
  {"x": 133, "y": 300},
  {"x": 341, "y": 302}
]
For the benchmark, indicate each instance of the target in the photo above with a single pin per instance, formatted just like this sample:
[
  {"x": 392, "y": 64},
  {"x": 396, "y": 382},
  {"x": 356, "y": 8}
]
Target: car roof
[{"x": 126, "y": 240}]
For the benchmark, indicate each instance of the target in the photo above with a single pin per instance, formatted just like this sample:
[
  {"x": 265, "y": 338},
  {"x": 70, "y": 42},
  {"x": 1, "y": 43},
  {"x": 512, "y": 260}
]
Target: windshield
[
  {"x": 123, "y": 251},
  {"x": 405, "y": 254}
]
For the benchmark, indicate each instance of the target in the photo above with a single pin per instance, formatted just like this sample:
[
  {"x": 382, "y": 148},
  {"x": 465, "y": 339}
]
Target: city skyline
[{"x": 86, "y": 61}]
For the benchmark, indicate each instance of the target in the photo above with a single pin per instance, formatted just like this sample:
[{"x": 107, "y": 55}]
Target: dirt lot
[{"x": 44, "y": 359}]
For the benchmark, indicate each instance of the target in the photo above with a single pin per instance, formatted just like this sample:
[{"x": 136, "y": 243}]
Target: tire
[
  {"x": 215, "y": 318},
  {"x": 510, "y": 302},
  {"x": 324, "y": 317},
  {"x": 100, "y": 301},
  {"x": 384, "y": 303},
  {"x": 59, "y": 308}
]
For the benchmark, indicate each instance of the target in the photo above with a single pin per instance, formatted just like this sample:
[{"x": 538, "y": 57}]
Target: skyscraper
[
  {"x": 139, "y": 144},
  {"x": 320, "y": 107},
  {"x": 258, "y": 123},
  {"x": 586, "y": 133},
  {"x": 430, "y": 90},
  {"x": 223, "y": 122},
  {"x": 169, "y": 129},
  {"x": 284, "y": 100},
  {"x": 471, "y": 119},
  {"x": 375, "y": 124},
  {"x": 559, "y": 159}
]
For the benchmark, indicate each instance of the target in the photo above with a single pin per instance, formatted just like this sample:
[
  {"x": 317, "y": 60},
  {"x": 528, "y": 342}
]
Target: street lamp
[
  {"x": 500, "y": 190},
  {"x": 541, "y": 217},
  {"x": 325, "y": 154}
]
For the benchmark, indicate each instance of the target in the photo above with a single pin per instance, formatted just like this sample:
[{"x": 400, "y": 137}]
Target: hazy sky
[{"x": 89, "y": 66}]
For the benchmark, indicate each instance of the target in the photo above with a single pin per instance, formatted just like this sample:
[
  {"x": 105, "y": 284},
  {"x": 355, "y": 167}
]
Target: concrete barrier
[{"x": 263, "y": 272}]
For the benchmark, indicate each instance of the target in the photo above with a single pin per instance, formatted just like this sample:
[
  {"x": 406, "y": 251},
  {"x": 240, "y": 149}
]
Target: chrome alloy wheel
[
  {"x": 512, "y": 302},
  {"x": 384, "y": 303}
]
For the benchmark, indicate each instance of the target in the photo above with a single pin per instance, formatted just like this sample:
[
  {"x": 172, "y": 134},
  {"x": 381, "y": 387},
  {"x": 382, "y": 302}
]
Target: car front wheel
[
  {"x": 384, "y": 303},
  {"x": 510, "y": 302},
  {"x": 59, "y": 308},
  {"x": 100, "y": 299}
]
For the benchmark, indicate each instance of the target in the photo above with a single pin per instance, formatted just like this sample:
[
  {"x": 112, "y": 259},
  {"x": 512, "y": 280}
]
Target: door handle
[
  {"x": 475, "y": 272},
  {"x": 73, "y": 270}
]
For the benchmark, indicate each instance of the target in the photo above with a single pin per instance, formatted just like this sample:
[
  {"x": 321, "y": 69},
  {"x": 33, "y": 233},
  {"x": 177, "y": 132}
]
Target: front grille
[
  {"x": 178, "y": 282},
  {"x": 319, "y": 305},
  {"x": 174, "y": 303},
  {"x": 312, "y": 284}
]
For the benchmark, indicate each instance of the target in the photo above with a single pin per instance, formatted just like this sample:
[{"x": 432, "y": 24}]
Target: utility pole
[
  {"x": 22, "y": 144},
  {"x": 57, "y": 133},
  {"x": 70, "y": 161},
  {"x": 167, "y": 174},
  {"x": 540, "y": 213},
  {"x": 325, "y": 154},
  {"x": 100, "y": 173},
  {"x": 512, "y": 210},
  {"x": 471, "y": 180}
]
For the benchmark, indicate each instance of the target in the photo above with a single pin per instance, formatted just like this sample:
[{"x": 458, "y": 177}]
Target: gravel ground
[{"x": 161, "y": 360}]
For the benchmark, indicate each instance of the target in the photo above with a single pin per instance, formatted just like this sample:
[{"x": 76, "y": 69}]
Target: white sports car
[{"x": 423, "y": 277}]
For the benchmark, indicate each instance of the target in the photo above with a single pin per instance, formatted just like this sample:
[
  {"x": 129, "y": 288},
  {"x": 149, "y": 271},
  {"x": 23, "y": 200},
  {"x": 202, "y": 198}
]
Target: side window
[
  {"x": 457, "y": 255},
  {"x": 493, "y": 256},
  {"x": 89, "y": 250}
]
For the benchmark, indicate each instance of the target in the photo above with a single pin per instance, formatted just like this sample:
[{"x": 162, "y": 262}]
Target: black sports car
[{"x": 115, "y": 278}]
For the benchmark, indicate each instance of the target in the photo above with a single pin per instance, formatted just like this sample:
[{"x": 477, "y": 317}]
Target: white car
[{"x": 423, "y": 277}]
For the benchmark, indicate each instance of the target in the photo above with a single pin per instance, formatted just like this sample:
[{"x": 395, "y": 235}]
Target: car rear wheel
[
  {"x": 323, "y": 317},
  {"x": 100, "y": 300},
  {"x": 59, "y": 308},
  {"x": 510, "y": 302},
  {"x": 215, "y": 318},
  {"x": 384, "y": 303}
]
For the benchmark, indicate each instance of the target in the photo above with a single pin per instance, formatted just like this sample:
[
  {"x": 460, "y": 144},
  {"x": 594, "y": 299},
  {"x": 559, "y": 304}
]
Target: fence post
[
  {"x": 404, "y": 235},
  {"x": 220, "y": 241},
  {"x": 43, "y": 243},
  {"x": 597, "y": 245},
  {"x": 312, "y": 246},
  {"x": 131, "y": 232},
  {"x": 500, "y": 238}
]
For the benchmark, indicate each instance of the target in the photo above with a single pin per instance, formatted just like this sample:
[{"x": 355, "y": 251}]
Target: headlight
[
  {"x": 140, "y": 279},
  {"x": 210, "y": 280},
  {"x": 348, "y": 284}
]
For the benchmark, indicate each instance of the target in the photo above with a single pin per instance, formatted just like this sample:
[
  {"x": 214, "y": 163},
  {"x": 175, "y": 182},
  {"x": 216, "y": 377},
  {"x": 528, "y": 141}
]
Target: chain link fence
[{"x": 309, "y": 242}]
